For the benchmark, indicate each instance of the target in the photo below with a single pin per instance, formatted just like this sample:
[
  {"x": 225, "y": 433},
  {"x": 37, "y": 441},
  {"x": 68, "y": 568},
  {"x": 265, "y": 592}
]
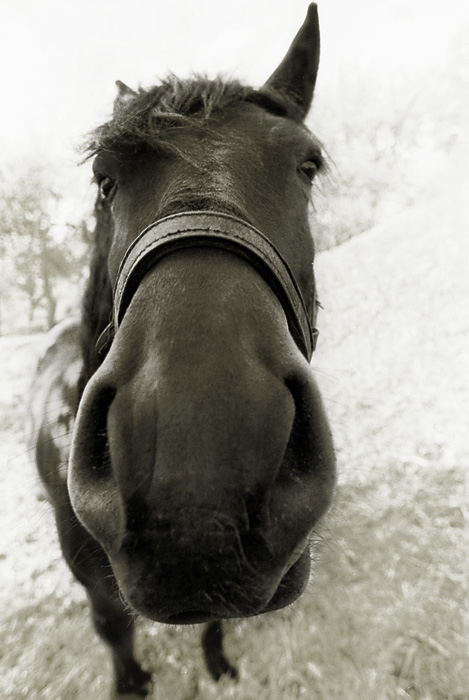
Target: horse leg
[
  {"x": 114, "y": 624},
  {"x": 215, "y": 659},
  {"x": 112, "y": 620}
]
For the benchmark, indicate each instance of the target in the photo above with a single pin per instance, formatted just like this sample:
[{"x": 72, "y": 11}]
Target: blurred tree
[
  {"x": 390, "y": 138},
  {"x": 37, "y": 250}
]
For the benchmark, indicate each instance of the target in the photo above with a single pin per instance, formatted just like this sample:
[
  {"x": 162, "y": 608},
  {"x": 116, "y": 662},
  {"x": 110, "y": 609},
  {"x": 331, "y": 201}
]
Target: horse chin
[{"x": 203, "y": 607}]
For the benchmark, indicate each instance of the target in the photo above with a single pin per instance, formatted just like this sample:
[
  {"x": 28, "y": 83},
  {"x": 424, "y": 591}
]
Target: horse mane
[
  {"x": 142, "y": 123},
  {"x": 97, "y": 298}
]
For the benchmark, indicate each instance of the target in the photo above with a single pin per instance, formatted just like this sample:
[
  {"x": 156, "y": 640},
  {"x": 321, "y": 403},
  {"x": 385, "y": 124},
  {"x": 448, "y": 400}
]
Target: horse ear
[
  {"x": 296, "y": 75},
  {"x": 124, "y": 95}
]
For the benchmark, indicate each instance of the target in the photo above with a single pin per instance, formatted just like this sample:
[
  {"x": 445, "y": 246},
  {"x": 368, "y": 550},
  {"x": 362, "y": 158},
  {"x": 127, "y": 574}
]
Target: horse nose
[
  {"x": 240, "y": 440},
  {"x": 172, "y": 439},
  {"x": 203, "y": 412}
]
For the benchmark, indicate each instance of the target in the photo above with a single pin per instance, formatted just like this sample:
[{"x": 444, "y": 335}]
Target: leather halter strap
[{"x": 215, "y": 230}]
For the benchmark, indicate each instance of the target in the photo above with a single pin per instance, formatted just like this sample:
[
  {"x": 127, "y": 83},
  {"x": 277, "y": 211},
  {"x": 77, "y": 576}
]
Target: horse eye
[
  {"x": 106, "y": 186},
  {"x": 309, "y": 169}
]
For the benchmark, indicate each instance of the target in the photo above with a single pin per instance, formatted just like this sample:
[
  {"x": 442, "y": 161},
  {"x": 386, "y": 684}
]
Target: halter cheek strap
[{"x": 215, "y": 230}]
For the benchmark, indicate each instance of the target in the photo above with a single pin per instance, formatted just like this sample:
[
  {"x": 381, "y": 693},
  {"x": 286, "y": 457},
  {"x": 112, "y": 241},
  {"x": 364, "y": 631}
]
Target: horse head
[{"x": 202, "y": 457}]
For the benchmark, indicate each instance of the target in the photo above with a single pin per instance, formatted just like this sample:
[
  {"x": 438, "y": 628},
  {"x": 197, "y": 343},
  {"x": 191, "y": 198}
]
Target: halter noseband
[{"x": 214, "y": 230}]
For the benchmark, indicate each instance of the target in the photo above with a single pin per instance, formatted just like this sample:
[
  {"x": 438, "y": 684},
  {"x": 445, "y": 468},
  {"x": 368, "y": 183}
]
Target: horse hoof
[
  {"x": 138, "y": 688},
  {"x": 220, "y": 666}
]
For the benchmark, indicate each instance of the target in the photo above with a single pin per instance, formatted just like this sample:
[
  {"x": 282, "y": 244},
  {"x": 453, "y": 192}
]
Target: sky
[{"x": 60, "y": 58}]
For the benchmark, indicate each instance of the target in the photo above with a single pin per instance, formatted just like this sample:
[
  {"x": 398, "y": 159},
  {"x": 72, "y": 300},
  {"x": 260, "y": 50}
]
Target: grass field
[{"x": 386, "y": 614}]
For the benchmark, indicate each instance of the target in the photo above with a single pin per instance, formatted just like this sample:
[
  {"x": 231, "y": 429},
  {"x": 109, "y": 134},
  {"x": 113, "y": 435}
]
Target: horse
[{"x": 201, "y": 457}]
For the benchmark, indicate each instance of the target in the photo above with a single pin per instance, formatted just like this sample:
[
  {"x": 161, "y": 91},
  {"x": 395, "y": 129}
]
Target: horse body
[
  {"x": 54, "y": 405},
  {"x": 201, "y": 457}
]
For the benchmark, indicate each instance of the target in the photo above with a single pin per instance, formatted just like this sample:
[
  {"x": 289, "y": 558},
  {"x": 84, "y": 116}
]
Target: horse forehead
[
  {"x": 268, "y": 129},
  {"x": 240, "y": 160},
  {"x": 241, "y": 147},
  {"x": 236, "y": 130}
]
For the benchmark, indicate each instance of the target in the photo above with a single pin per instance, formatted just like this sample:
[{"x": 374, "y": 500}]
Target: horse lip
[
  {"x": 190, "y": 617},
  {"x": 284, "y": 595},
  {"x": 190, "y": 613},
  {"x": 201, "y": 609}
]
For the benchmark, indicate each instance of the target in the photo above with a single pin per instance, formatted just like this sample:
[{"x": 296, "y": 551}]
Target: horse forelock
[{"x": 143, "y": 120}]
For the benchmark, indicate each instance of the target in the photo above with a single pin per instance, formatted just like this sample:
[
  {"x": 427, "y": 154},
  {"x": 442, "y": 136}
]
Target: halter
[{"x": 214, "y": 230}]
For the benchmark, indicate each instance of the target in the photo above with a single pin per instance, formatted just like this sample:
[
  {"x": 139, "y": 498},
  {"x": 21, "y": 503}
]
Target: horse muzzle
[{"x": 202, "y": 457}]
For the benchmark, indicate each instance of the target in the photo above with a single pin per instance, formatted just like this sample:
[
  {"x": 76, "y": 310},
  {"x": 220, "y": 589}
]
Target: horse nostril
[
  {"x": 302, "y": 438},
  {"x": 93, "y": 433},
  {"x": 308, "y": 473},
  {"x": 91, "y": 480}
]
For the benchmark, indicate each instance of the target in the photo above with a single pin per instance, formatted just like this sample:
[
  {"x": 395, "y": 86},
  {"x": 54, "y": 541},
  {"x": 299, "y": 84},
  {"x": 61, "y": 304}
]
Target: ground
[{"x": 385, "y": 616}]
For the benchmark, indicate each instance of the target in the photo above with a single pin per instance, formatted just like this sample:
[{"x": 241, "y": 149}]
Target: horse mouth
[
  {"x": 191, "y": 617},
  {"x": 201, "y": 607}
]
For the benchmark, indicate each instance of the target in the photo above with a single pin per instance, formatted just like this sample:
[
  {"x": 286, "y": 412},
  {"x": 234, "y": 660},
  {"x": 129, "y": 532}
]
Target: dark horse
[{"x": 201, "y": 456}]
